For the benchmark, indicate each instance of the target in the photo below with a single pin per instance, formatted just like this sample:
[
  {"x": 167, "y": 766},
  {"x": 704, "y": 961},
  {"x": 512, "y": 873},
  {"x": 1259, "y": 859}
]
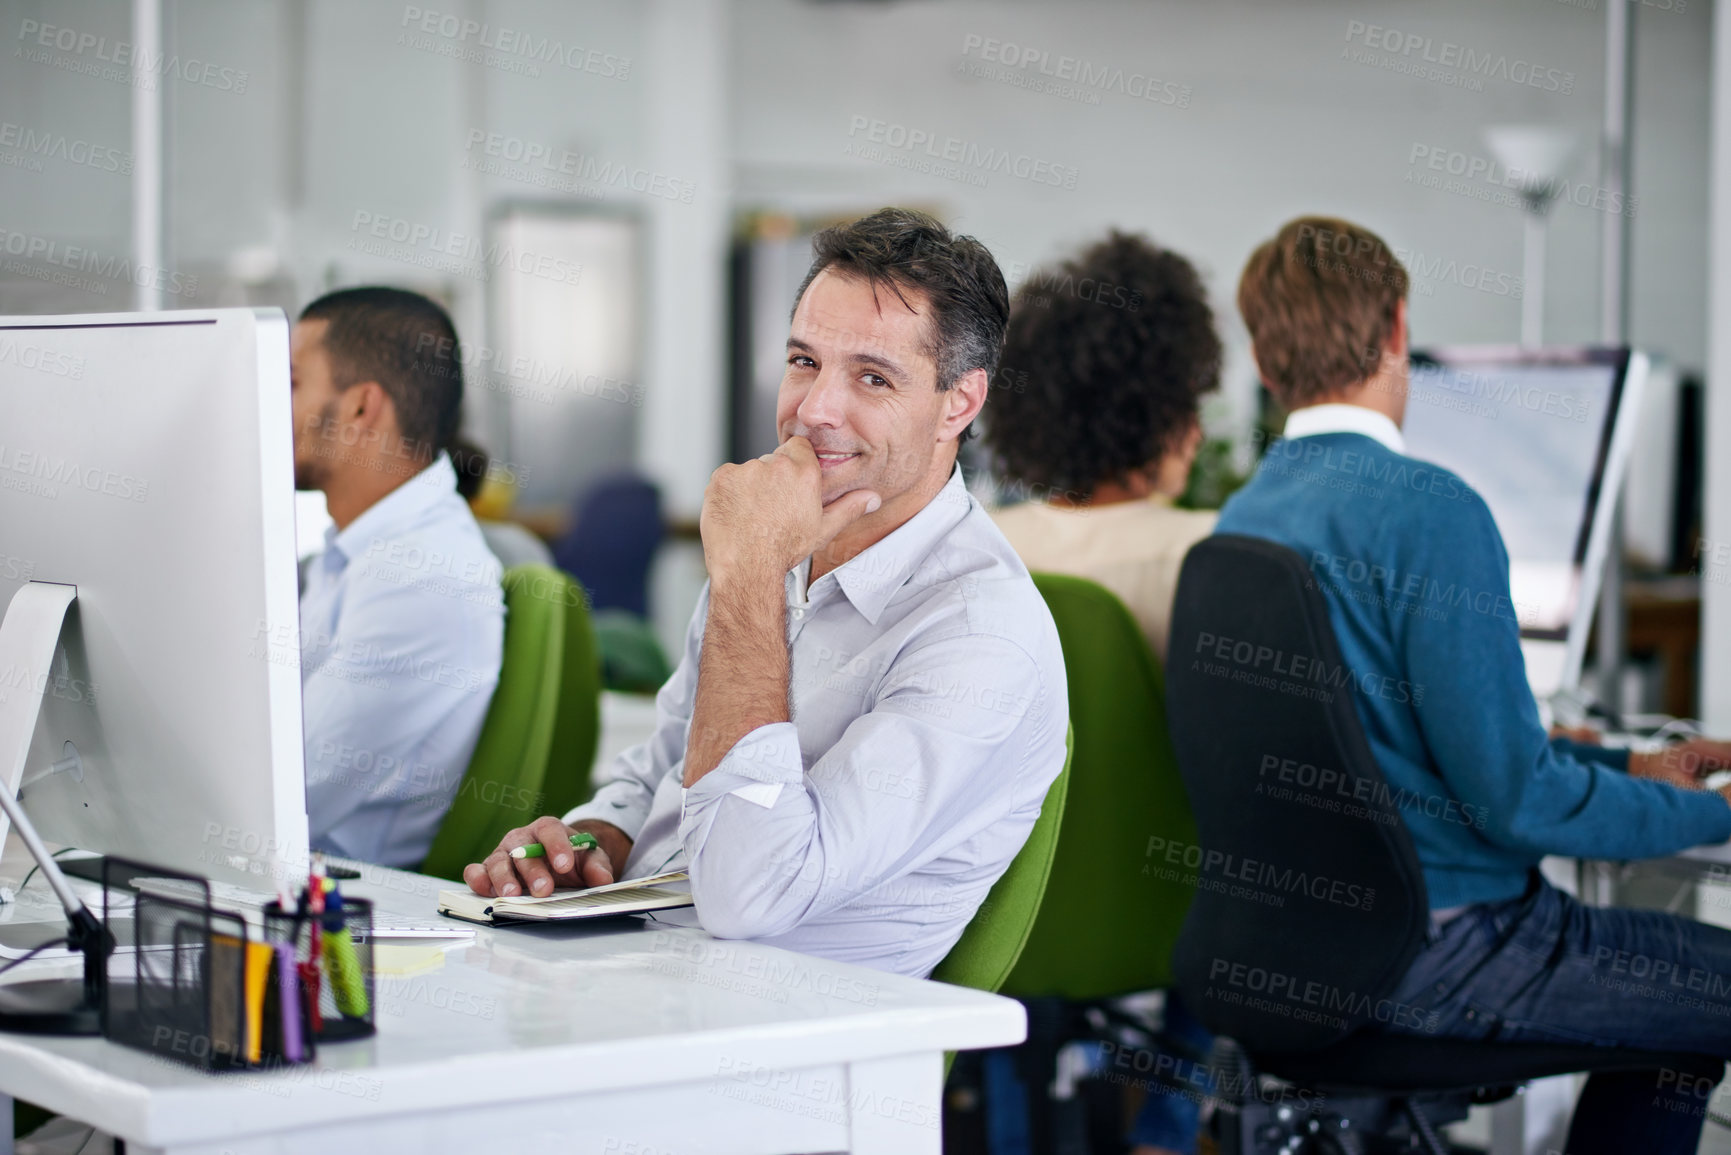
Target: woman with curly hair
[{"x": 1094, "y": 420}]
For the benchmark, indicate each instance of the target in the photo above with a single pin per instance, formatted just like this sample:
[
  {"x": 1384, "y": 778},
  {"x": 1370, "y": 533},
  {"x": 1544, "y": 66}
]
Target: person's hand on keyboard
[
  {"x": 501, "y": 876},
  {"x": 1687, "y": 764}
]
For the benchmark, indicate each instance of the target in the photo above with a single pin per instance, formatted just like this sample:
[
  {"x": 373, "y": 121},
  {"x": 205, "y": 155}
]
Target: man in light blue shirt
[
  {"x": 401, "y": 615},
  {"x": 871, "y": 703}
]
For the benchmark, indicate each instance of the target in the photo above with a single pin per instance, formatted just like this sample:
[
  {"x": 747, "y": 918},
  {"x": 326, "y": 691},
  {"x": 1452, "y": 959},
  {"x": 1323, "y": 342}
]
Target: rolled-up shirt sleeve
[{"x": 771, "y": 842}]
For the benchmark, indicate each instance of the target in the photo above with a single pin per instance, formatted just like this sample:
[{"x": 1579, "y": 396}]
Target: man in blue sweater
[{"x": 1393, "y": 542}]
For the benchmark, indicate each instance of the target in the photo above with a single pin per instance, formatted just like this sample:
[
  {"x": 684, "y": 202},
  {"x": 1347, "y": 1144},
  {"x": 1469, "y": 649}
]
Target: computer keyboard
[
  {"x": 84, "y": 869},
  {"x": 386, "y": 924}
]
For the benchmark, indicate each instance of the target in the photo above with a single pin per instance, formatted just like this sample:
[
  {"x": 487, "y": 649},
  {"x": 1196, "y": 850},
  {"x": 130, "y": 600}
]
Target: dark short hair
[
  {"x": 901, "y": 249},
  {"x": 1107, "y": 357},
  {"x": 408, "y": 345},
  {"x": 1319, "y": 300}
]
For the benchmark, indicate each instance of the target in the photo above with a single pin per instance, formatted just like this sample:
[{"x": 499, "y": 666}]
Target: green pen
[{"x": 579, "y": 841}]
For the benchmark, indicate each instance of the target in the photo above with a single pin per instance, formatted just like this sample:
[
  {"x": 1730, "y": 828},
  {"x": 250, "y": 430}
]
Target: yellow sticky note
[{"x": 258, "y": 960}]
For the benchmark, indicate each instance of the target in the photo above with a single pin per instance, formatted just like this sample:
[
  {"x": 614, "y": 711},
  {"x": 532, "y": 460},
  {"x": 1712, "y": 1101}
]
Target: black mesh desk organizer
[{"x": 207, "y": 989}]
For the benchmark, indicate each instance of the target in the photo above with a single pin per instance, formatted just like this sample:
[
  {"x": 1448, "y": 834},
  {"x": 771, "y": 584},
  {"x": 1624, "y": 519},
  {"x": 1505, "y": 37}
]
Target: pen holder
[
  {"x": 342, "y": 978},
  {"x": 200, "y": 986}
]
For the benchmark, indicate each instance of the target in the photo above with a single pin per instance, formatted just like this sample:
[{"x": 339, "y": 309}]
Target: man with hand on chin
[{"x": 871, "y": 703}]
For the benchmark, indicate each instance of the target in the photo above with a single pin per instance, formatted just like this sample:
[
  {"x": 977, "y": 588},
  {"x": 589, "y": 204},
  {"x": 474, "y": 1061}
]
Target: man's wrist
[
  {"x": 750, "y": 583},
  {"x": 742, "y": 677}
]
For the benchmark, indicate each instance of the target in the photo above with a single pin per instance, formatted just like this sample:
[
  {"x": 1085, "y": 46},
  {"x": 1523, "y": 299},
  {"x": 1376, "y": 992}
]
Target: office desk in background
[
  {"x": 1664, "y": 622},
  {"x": 588, "y": 1041}
]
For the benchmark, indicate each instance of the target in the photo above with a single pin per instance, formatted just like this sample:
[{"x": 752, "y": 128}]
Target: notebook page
[
  {"x": 610, "y": 888},
  {"x": 589, "y": 900}
]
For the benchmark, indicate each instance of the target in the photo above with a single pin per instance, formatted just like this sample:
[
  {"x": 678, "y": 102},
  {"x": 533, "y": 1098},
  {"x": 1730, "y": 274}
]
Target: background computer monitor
[
  {"x": 1543, "y": 435},
  {"x": 147, "y": 459}
]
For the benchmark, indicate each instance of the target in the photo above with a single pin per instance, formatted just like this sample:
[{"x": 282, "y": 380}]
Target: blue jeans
[{"x": 1543, "y": 968}]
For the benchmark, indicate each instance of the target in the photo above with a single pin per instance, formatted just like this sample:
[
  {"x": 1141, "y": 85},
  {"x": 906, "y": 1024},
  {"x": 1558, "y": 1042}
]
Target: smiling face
[{"x": 861, "y": 386}]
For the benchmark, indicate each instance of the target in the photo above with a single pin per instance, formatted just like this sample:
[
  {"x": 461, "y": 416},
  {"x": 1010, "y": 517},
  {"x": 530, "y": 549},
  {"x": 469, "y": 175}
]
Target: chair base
[
  {"x": 1282, "y": 1112},
  {"x": 1283, "y": 1120},
  {"x": 1368, "y": 1094}
]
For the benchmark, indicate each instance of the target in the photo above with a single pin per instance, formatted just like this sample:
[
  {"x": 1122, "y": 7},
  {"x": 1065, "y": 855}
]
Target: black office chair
[{"x": 1311, "y": 904}]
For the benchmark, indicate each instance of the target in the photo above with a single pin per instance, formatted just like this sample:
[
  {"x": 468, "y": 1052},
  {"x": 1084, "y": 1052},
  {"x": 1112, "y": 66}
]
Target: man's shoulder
[
  {"x": 1333, "y": 474},
  {"x": 1424, "y": 498},
  {"x": 1434, "y": 524},
  {"x": 433, "y": 576},
  {"x": 443, "y": 545},
  {"x": 974, "y": 584}
]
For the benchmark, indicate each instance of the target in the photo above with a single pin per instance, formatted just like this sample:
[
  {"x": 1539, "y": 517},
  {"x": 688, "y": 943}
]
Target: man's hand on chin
[{"x": 761, "y": 518}]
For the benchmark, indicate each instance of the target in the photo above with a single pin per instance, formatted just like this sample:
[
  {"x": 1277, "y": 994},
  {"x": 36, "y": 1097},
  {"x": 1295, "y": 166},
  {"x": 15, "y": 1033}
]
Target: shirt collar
[
  {"x": 1314, "y": 420},
  {"x": 872, "y": 577},
  {"x": 387, "y": 517}
]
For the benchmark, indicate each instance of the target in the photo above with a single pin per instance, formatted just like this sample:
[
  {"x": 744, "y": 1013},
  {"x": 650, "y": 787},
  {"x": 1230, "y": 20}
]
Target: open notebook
[{"x": 632, "y": 896}]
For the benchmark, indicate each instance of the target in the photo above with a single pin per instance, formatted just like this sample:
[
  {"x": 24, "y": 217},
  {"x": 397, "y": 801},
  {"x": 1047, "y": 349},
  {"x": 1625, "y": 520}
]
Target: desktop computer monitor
[
  {"x": 1544, "y": 436},
  {"x": 146, "y": 460}
]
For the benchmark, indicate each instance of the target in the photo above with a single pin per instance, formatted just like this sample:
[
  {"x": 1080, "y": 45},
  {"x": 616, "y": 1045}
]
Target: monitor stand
[
  {"x": 29, "y": 633},
  {"x": 49, "y": 1007}
]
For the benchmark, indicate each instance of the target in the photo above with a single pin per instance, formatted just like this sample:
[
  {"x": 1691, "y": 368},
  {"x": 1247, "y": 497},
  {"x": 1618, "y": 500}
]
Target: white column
[
  {"x": 1613, "y": 638},
  {"x": 148, "y": 170},
  {"x": 682, "y": 429},
  {"x": 1716, "y": 583}
]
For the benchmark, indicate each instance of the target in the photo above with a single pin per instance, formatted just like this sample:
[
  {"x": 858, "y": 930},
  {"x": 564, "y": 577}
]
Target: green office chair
[
  {"x": 538, "y": 741},
  {"x": 992, "y": 942},
  {"x": 1113, "y": 905},
  {"x": 993, "y": 939}
]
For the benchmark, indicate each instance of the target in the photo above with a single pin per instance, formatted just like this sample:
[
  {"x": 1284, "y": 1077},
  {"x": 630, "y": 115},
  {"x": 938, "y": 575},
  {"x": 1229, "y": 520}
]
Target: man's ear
[
  {"x": 962, "y": 403},
  {"x": 368, "y": 405}
]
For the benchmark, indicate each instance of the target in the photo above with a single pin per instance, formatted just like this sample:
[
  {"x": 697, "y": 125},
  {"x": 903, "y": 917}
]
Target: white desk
[
  {"x": 625, "y": 1039},
  {"x": 1716, "y": 854}
]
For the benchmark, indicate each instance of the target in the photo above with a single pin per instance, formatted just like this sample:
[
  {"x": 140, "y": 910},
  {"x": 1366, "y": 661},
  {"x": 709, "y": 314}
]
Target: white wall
[
  {"x": 1278, "y": 123},
  {"x": 1716, "y": 588},
  {"x": 390, "y": 133},
  {"x": 752, "y": 101},
  {"x": 49, "y": 197}
]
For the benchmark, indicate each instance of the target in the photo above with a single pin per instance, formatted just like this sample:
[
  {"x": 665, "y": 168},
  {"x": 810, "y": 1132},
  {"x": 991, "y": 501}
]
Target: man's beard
[{"x": 312, "y": 473}]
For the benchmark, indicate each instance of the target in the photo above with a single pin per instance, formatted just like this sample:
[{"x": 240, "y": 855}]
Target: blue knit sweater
[{"x": 1417, "y": 584}]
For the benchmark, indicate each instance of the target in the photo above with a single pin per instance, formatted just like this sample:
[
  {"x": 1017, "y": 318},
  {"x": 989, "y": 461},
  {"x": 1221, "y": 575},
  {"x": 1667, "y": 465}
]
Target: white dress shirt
[
  {"x": 1314, "y": 420},
  {"x": 402, "y": 632},
  {"x": 929, "y": 710}
]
